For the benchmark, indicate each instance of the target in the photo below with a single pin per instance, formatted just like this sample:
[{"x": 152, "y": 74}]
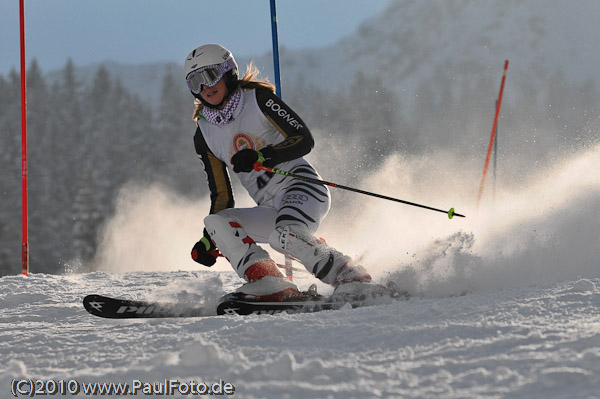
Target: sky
[{"x": 147, "y": 31}]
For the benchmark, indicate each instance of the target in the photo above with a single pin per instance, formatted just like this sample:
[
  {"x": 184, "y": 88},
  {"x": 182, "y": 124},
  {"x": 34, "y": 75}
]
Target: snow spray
[{"x": 542, "y": 230}]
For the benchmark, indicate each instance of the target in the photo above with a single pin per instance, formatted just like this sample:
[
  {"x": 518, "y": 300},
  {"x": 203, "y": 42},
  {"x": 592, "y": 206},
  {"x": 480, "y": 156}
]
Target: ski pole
[{"x": 259, "y": 166}]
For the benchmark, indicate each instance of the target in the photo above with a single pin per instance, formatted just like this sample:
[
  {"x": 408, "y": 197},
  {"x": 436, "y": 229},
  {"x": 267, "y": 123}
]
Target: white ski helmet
[{"x": 207, "y": 64}]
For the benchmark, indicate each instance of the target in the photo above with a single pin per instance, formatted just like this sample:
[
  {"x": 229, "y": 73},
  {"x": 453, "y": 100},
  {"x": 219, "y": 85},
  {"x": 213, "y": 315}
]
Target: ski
[
  {"x": 242, "y": 307},
  {"x": 114, "y": 308},
  {"x": 230, "y": 304}
]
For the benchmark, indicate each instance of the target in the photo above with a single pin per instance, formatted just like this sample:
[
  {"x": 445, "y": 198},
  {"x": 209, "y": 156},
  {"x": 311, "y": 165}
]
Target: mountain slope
[{"x": 412, "y": 40}]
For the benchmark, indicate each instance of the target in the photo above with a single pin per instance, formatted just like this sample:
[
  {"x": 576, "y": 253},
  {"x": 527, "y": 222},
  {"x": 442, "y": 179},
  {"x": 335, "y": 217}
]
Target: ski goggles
[{"x": 208, "y": 77}]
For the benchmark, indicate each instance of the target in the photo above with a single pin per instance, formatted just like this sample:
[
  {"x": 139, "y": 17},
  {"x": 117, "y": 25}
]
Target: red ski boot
[{"x": 267, "y": 284}]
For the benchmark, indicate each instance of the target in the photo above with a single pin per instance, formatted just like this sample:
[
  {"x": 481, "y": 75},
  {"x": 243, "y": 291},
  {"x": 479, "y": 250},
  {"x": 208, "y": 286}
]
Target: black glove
[
  {"x": 204, "y": 251},
  {"x": 244, "y": 160}
]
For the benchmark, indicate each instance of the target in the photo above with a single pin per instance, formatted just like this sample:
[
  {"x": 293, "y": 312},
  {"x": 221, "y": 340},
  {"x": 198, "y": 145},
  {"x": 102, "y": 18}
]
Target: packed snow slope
[
  {"x": 533, "y": 342},
  {"x": 505, "y": 302}
]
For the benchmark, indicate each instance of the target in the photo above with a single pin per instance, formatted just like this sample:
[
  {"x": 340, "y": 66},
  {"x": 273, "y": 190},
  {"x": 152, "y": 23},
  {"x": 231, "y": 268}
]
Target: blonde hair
[{"x": 250, "y": 80}]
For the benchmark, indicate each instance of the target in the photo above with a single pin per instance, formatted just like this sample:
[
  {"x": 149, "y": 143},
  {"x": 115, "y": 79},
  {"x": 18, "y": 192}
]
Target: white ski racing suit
[{"x": 288, "y": 211}]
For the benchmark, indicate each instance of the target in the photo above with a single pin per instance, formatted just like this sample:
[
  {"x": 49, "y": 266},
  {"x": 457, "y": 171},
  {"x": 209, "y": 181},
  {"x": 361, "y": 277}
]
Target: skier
[{"x": 241, "y": 122}]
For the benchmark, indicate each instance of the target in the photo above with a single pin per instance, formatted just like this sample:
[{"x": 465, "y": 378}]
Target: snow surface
[
  {"x": 532, "y": 342},
  {"x": 506, "y": 303}
]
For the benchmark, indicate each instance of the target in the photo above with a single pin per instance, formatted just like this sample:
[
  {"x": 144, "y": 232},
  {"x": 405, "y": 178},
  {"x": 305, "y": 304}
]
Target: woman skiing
[{"x": 241, "y": 122}]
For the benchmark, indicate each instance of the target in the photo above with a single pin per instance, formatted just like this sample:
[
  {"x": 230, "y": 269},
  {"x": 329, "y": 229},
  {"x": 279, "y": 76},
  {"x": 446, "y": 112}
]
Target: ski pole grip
[
  {"x": 215, "y": 253},
  {"x": 258, "y": 166}
]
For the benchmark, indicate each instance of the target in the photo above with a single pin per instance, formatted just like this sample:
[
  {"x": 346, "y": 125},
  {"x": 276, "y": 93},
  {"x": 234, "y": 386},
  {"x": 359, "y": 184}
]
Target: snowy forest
[
  {"x": 90, "y": 134},
  {"x": 86, "y": 139}
]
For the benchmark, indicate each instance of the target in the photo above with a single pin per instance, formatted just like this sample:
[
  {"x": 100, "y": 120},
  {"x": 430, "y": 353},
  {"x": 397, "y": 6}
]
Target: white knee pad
[
  {"x": 318, "y": 258},
  {"x": 234, "y": 243}
]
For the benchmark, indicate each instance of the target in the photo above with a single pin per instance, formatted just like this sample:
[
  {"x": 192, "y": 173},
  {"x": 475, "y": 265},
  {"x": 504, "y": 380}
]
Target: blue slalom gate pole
[
  {"x": 275, "y": 48},
  {"x": 288, "y": 261}
]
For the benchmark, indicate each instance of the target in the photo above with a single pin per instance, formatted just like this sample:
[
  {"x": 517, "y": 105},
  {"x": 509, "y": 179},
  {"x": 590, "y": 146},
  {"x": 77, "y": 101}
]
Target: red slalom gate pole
[
  {"x": 492, "y": 136},
  {"x": 25, "y": 246}
]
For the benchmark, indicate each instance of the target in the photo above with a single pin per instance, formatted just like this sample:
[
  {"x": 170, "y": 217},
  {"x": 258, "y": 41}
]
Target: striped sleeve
[
  {"x": 297, "y": 139},
  {"x": 219, "y": 183}
]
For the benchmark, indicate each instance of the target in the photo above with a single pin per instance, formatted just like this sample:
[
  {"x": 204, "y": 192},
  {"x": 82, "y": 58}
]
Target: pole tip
[{"x": 451, "y": 213}]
